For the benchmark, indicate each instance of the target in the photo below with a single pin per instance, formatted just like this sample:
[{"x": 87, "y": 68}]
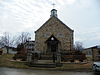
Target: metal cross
[{"x": 53, "y": 5}]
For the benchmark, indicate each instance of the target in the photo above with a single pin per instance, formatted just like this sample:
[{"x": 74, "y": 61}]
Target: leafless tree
[
  {"x": 78, "y": 46},
  {"x": 22, "y": 38},
  {"x": 6, "y": 41},
  {"x": 1, "y": 43}
]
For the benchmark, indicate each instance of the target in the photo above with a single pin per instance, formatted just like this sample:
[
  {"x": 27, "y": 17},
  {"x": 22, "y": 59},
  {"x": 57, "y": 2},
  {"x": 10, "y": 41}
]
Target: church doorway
[{"x": 52, "y": 46}]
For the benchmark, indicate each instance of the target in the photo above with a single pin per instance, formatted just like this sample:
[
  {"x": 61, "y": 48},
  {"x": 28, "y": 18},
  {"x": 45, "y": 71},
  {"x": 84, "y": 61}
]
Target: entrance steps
[
  {"x": 45, "y": 61},
  {"x": 45, "y": 64},
  {"x": 41, "y": 65}
]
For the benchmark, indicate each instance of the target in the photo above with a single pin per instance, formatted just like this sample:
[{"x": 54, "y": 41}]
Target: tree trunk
[{"x": 7, "y": 50}]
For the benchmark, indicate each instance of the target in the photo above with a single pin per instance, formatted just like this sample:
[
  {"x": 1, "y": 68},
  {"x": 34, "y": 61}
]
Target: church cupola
[{"x": 53, "y": 13}]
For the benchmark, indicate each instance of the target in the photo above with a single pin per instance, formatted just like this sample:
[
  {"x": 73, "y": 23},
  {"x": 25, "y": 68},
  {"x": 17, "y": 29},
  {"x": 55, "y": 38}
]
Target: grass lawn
[
  {"x": 5, "y": 61},
  {"x": 77, "y": 67}
]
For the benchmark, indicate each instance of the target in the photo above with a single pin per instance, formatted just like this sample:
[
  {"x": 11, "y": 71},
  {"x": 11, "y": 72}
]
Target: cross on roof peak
[{"x": 53, "y": 4}]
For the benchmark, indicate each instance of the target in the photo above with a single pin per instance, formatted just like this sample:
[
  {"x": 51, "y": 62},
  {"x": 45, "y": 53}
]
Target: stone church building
[{"x": 53, "y": 36}]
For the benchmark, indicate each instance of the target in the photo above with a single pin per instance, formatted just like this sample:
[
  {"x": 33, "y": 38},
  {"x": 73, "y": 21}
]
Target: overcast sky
[{"x": 83, "y": 16}]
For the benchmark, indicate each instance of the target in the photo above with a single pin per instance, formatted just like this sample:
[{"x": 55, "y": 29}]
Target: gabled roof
[{"x": 58, "y": 20}]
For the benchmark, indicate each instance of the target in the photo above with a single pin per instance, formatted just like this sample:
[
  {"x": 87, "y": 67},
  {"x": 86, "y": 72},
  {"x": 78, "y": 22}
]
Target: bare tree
[
  {"x": 1, "y": 43},
  {"x": 6, "y": 41},
  {"x": 22, "y": 38},
  {"x": 78, "y": 46}
]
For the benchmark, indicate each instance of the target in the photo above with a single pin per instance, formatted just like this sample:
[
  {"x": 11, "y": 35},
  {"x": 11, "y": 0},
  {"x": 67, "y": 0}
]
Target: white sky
[{"x": 83, "y": 16}]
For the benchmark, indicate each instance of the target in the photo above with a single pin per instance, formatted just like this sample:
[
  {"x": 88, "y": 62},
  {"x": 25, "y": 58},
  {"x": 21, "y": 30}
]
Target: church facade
[{"x": 53, "y": 36}]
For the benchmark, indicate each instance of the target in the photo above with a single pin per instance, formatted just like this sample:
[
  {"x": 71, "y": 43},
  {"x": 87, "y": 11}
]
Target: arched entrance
[{"x": 52, "y": 46}]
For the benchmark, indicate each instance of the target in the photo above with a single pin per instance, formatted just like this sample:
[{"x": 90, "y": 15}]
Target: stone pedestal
[
  {"x": 58, "y": 57},
  {"x": 29, "y": 57}
]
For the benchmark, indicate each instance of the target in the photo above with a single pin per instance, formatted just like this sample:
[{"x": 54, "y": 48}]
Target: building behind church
[{"x": 92, "y": 53}]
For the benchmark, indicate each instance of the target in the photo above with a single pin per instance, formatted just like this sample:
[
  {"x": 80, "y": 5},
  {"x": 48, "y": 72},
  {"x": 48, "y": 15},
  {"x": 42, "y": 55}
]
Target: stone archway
[{"x": 52, "y": 46}]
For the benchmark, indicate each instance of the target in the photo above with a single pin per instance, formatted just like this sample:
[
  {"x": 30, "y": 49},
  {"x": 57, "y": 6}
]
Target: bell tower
[{"x": 53, "y": 13}]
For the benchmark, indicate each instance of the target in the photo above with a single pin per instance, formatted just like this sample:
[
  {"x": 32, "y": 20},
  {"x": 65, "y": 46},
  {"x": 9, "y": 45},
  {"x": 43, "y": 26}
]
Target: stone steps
[
  {"x": 41, "y": 65},
  {"x": 52, "y": 65}
]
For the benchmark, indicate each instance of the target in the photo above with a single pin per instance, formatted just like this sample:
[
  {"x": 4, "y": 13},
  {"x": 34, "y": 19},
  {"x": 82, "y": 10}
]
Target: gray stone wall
[{"x": 54, "y": 27}]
